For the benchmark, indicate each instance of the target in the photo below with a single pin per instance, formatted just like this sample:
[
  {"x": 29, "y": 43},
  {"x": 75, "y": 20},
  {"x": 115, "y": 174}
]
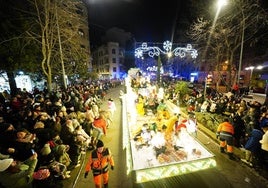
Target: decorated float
[{"x": 157, "y": 145}]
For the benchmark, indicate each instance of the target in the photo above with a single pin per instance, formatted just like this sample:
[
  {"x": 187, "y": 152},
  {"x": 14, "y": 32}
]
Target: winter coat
[
  {"x": 22, "y": 179},
  {"x": 253, "y": 142}
]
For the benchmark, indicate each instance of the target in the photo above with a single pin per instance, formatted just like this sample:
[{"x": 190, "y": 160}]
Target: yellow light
[
  {"x": 169, "y": 54},
  {"x": 221, "y": 3}
]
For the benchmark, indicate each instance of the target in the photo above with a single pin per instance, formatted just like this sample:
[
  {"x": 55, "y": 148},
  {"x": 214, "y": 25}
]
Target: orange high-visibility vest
[{"x": 98, "y": 162}]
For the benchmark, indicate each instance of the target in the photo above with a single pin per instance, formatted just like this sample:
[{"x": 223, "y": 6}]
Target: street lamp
[
  {"x": 241, "y": 46},
  {"x": 221, "y": 3}
]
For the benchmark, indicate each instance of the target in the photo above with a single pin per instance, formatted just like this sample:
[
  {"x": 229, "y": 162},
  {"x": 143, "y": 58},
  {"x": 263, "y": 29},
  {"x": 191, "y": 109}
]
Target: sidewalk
[
  {"x": 113, "y": 140},
  {"x": 255, "y": 97}
]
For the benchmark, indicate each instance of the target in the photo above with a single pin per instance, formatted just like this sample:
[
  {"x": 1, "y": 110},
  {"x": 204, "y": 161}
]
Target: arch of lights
[{"x": 167, "y": 49}]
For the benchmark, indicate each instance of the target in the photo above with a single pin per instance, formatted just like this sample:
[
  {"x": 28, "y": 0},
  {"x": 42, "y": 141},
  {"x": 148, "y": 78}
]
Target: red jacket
[{"x": 100, "y": 123}]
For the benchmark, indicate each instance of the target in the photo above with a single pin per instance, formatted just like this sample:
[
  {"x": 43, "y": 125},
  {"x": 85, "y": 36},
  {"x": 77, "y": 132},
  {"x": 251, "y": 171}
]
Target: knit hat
[
  {"x": 39, "y": 124},
  {"x": 41, "y": 174},
  {"x": 46, "y": 150},
  {"x": 23, "y": 130},
  {"x": 5, "y": 163},
  {"x": 99, "y": 144}
]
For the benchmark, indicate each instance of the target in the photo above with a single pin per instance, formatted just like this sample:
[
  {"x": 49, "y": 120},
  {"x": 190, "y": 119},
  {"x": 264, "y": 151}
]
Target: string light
[{"x": 167, "y": 50}]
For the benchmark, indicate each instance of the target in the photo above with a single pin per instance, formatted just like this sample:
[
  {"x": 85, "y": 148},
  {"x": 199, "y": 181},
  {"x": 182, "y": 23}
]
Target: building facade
[{"x": 108, "y": 61}]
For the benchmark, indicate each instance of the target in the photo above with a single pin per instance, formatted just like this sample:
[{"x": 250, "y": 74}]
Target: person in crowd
[
  {"x": 82, "y": 137},
  {"x": 89, "y": 119},
  {"x": 107, "y": 116},
  {"x": 42, "y": 133},
  {"x": 100, "y": 126},
  {"x": 251, "y": 118},
  {"x": 24, "y": 145},
  {"x": 264, "y": 145},
  {"x": 62, "y": 156},
  {"x": 111, "y": 107},
  {"x": 253, "y": 147},
  {"x": 16, "y": 103},
  {"x": 95, "y": 109},
  {"x": 7, "y": 138},
  {"x": 68, "y": 137},
  {"x": 99, "y": 161},
  {"x": 57, "y": 169},
  {"x": 225, "y": 132},
  {"x": 239, "y": 127},
  {"x": 67, "y": 132},
  {"x": 235, "y": 89},
  {"x": 17, "y": 174}
]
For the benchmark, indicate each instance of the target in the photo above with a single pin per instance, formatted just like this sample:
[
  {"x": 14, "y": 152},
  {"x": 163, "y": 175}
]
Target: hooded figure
[
  {"x": 17, "y": 175},
  {"x": 5, "y": 163}
]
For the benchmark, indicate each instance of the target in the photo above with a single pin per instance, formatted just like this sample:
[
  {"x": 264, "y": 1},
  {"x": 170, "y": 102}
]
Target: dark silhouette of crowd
[{"x": 53, "y": 129}]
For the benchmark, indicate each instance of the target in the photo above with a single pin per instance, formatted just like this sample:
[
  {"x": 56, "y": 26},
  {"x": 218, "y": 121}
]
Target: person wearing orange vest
[
  {"x": 225, "y": 132},
  {"x": 98, "y": 162}
]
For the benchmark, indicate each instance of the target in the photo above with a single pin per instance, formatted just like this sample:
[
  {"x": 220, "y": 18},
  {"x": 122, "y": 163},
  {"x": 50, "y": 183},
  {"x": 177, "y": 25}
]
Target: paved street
[
  {"x": 113, "y": 140},
  {"x": 256, "y": 97}
]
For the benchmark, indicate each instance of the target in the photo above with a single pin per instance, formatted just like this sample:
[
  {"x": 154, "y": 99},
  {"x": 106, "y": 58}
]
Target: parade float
[{"x": 155, "y": 150}]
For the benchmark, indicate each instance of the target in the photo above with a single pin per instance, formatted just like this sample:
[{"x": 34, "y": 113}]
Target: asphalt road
[
  {"x": 256, "y": 97},
  {"x": 227, "y": 174}
]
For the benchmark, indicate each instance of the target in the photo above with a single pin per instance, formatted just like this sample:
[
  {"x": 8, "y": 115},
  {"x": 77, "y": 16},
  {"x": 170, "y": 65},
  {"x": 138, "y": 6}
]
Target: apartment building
[{"x": 108, "y": 61}]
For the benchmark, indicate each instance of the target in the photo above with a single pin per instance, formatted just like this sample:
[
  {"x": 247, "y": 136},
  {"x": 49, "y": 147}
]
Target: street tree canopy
[
  {"x": 44, "y": 36},
  {"x": 220, "y": 38}
]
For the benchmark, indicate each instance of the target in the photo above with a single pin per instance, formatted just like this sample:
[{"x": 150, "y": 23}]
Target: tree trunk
[{"x": 12, "y": 83}]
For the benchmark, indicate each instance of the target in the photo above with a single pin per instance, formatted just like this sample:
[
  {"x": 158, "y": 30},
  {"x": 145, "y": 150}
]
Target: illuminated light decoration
[
  {"x": 194, "y": 74},
  {"x": 167, "y": 46},
  {"x": 142, "y": 165},
  {"x": 150, "y": 174},
  {"x": 153, "y": 68}
]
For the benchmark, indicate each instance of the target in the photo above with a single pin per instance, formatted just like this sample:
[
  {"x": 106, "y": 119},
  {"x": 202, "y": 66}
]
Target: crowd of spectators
[
  {"x": 249, "y": 119},
  {"x": 51, "y": 130}
]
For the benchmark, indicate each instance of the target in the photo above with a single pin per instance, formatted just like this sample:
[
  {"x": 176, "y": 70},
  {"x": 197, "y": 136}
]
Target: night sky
[{"x": 147, "y": 20}]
